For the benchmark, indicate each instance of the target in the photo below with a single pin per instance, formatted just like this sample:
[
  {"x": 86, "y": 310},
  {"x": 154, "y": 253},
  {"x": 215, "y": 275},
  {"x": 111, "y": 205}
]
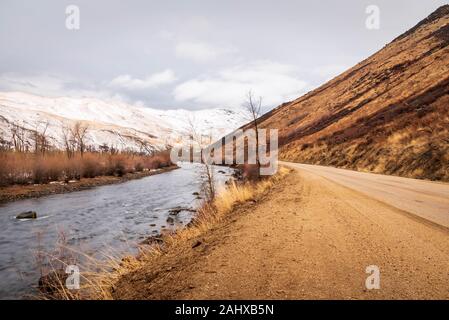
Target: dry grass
[
  {"x": 211, "y": 213},
  {"x": 27, "y": 168},
  {"x": 103, "y": 274}
]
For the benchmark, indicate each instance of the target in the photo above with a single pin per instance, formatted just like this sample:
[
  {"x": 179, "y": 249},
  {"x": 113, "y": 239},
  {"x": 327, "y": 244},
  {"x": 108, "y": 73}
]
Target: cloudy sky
[{"x": 191, "y": 54}]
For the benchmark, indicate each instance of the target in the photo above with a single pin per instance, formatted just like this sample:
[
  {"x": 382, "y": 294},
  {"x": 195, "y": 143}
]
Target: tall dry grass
[{"x": 26, "y": 168}]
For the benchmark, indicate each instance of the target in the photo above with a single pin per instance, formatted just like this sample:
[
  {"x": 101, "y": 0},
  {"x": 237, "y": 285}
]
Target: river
[{"x": 115, "y": 216}]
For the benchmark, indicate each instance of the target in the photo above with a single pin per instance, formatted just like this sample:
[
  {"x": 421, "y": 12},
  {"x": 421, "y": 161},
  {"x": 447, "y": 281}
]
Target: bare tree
[
  {"x": 197, "y": 138},
  {"x": 68, "y": 140},
  {"x": 40, "y": 138},
  {"x": 104, "y": 148},
  {"x": 253, "y": 106},
  {"x": 4, "y": 144},
  {"x": 18, "y": 136},
  {"x": 145, "y": 147},
  {"x": 79, "y": 133}
]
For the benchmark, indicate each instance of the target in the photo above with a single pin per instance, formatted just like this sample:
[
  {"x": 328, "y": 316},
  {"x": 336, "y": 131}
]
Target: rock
[
  {"x": 221, "y": 171},
  {"x": 152, "y": 225},
  {"x": 177, "y": 210},
  {"x": 27, "y": 215},
  {"x": 196, "y": 244},
  {"x": 196, "y": 193},
  {"x": 57, "y": 182},
  {"x": 156, "y": 239},
  {"x": 170, "y": 220}
]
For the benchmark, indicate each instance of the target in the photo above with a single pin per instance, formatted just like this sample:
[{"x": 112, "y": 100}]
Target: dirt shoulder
[
  {"x": 18, "y": 192},
  {"x": 308, "y": 238}
]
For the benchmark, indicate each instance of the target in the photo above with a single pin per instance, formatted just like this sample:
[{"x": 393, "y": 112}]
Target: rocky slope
[
  {"x": 116, "y": 124},
  {"x": 388, "y": 114}
]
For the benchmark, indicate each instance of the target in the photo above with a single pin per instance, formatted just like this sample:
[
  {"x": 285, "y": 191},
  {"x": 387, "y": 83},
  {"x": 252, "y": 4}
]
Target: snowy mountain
[{"x": 116, "y": 124}]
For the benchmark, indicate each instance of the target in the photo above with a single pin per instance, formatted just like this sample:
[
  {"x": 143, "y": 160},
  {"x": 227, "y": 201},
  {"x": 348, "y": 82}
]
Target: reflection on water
[{"x": 115, "y": 216}]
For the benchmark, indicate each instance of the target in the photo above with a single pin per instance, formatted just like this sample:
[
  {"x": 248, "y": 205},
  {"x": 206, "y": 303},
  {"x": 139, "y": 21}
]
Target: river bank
[
  {"x": 119, "y": 273},
  {"x": 19, "y": 192}
]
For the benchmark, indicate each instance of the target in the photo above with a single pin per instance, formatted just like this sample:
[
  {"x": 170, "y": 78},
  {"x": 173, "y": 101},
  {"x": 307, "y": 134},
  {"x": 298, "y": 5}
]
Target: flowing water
[{"x": 115, "y": 216}]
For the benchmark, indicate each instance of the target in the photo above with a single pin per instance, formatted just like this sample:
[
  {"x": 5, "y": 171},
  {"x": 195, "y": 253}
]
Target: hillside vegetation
[{"x": 388, "y": 114}]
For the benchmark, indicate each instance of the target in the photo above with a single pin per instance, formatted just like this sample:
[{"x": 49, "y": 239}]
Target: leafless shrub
[{"x": 253, "y": 106}]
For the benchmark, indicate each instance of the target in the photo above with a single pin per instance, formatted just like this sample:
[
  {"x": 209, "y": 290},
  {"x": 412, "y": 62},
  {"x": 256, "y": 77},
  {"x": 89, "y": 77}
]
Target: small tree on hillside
[{"x": 253, "y": 106}]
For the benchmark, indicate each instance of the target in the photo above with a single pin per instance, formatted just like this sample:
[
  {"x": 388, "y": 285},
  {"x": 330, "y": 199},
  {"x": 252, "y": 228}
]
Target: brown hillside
[{"x": 388, "y": 114}]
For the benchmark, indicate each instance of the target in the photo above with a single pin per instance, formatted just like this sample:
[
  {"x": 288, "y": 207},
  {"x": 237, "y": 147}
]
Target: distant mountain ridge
[
  {"x": 116, "y": 124},
  {"x": 388, "y": 114}
]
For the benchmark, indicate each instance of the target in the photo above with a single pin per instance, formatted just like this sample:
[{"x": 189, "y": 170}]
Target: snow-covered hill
[{"x": 116, "y": 124}]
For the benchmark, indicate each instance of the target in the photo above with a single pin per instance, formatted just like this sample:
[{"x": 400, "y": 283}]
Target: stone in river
[
  {"x": 170, "y": 220},
  {"x": 27, "y": 215}
]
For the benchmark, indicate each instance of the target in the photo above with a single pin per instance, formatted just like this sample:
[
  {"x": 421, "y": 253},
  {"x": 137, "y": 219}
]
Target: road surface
[
  {"x": 312, "y": 238},
  {"x": 425, "y": 199}
]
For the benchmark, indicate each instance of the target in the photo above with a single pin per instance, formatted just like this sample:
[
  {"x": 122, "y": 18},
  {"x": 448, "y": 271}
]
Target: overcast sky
[{"x": 191, "y": 54}]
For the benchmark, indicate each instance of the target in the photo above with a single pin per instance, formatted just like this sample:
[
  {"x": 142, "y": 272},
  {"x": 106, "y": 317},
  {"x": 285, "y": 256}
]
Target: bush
[
  {"x": 90, "y": 168},
  {"x": 25, "y": 168},
  {"x": 139, "y": 167},
  {"x": 39, "y": 173},
  {"x": 116, "y": 166}
]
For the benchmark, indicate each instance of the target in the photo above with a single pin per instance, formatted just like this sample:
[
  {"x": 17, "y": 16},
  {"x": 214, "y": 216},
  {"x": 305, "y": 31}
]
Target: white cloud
[
  {"x": 31, "y": 83},
  {"x": 200, "y": 51},
  {"x": 152, "y": 81},
  {"x": 165, "y": 35},
  {"x": 275, "y": 82},
  {"x": 53, "y": 86}
]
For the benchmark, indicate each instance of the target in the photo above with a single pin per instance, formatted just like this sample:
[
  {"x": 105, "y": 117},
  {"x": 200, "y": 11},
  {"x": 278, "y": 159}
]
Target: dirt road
[
  {"x": 426, "y": 199},
  {"x": 308, "y": 238}
]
